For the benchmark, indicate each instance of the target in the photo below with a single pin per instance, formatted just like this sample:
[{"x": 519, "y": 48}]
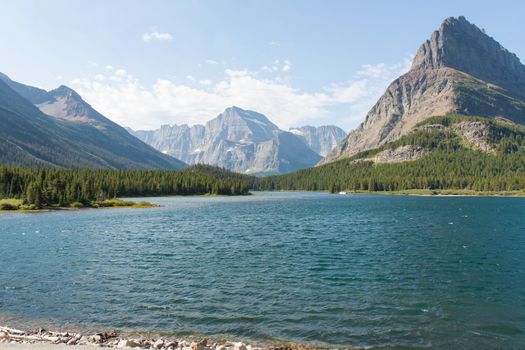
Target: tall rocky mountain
[
  {"x": 322, "y": 139},
  {"x": 57, "y": 128},
  {"x": 460, "y": 70},
  {"x": 240, "y": 140}
]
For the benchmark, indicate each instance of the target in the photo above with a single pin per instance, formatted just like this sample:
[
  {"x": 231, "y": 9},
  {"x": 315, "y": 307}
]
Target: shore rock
[
  {"x": 158, "y": 344},
  {"x": 239, "y": 346},
  {"x": 197, "y": 346},
  {"x": 171, "y": 344},
  {"x": 131, "y": 343}
]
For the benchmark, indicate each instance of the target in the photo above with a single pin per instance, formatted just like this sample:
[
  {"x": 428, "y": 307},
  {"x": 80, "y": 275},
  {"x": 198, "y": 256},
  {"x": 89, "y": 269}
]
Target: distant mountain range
[
  {"x": 244, "y": 141},
  {"x": 58, "y": 129},
  {"x": 321, "y": 139},
  {"x": 459, "y": 70}
]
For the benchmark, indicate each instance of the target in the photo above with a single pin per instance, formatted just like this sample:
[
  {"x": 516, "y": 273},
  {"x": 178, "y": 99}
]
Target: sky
[{"x": 147, "y": 63}]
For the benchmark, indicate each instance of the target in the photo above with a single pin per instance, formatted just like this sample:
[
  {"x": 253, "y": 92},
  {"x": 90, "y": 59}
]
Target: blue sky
[{"x": 146, "y": 63}]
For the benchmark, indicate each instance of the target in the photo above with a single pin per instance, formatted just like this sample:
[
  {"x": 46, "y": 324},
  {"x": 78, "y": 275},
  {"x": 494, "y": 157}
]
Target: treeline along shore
[
  {"x": 37, "y": 188},
  {"x": 447, "y": 163},
  {"x": 439, "y": 158}
]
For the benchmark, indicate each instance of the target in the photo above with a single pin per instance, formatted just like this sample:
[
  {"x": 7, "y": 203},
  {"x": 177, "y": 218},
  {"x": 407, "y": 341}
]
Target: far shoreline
[
  {"x": 416, "y": 193},
  {"x": 16, "y": 206},
  {"x": 119, "y": 203},
  {"x": 443, "y": 193}
]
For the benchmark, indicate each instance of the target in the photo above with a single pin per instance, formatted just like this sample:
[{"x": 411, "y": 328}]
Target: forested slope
[{"x": 450, "y": 152}]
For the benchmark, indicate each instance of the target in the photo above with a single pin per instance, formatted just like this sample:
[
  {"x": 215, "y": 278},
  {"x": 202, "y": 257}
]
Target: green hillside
[{"x": 449, "y": 161}]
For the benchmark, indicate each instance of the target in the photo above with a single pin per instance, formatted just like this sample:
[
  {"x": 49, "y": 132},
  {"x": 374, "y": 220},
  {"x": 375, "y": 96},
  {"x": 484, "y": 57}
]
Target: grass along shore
[
  {"x": 11, "y": 205},
  {"x": 447, "y": 192},
  {"x": 17, "y": 205},
  {"x": 423, "y": 192}
]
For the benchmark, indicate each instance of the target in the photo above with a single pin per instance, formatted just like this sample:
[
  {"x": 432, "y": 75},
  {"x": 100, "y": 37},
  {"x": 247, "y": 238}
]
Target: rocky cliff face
[
  {"x": 240, "y": 140},
  {"x": 177, "y": 140},
  {"x": 459, "y": 70},
  {"x": 322, "y": 139},
  {"x": 64, "y": 103},
  {"x": 461, "y": 45},
  {"x": 400, "y": 154}
]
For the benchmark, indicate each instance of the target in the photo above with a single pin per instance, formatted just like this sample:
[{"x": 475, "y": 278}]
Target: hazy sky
[{"x": 147, "y": 63}]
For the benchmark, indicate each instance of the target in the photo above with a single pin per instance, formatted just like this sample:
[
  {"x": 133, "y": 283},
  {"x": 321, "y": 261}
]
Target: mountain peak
[
  {"x": 65, "y": 103},
  {"x": 65, "y": 91},
  {"x": 454, "y": 21},
  {"x": 237, "y": 139},
  {"x": 235, "y": 108},
  {"x": 45, "y": 131},
  {"x": 459, "y": 70},
  {"x": 445, "y": 45},
  {"x": 248, "y": 116},
  {"x": 241, "y": 112},
  {"x": 461, "y": 45}
]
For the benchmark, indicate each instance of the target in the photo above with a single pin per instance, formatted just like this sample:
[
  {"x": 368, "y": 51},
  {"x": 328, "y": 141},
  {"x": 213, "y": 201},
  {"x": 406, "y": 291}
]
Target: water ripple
[{"x": 378, "y": 272}]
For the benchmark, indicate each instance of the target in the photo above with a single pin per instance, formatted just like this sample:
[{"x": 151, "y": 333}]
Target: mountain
[
  {"x": 57, "y": 128},
  {"x": 449, "y": 154},
  {"x": 322, "y": 139},
  {"x": 237, "y": 139},
  {"x": 459, "y": 70}
]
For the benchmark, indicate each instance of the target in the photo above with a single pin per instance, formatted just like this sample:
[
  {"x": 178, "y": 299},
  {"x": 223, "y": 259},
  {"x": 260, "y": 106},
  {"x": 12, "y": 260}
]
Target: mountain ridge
[
  {"x": 321, "y": 139},
  {"x": 237, "y": 139},
  {"x": 461, "y": 45},
  {"x": 62, "y": 138},
  {"x": 435, "y": 85},
  {"x": 454, "y": 154}
]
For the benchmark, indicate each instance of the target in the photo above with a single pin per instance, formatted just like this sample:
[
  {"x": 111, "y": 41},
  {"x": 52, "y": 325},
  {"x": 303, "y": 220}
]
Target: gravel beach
[{"x": 41, "y": 339}]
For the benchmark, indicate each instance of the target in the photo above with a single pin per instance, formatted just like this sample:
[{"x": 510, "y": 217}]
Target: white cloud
[
  {"x": 287, "y": 66},
  {"x": 154, "y": 35},
  {"x": 213, "y": 62},
  {"x": 108, "y": 67},
  {"x": 120, "y": 75},
  {"x": 278, "y": 66},
  {"x": 125, "y": 100}
]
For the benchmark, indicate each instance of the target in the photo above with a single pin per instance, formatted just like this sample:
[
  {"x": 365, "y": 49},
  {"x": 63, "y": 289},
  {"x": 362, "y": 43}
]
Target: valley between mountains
[
  {"x": 245, "y": 231},
  {"x": 455, "y": 120}
]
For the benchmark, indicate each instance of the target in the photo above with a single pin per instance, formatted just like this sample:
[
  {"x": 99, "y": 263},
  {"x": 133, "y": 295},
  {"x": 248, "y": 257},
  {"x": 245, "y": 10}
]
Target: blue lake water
[{"x": 360, "y": 270}]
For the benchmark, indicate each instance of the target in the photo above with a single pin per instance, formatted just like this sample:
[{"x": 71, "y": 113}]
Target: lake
[{"x": 332, "y": 270}]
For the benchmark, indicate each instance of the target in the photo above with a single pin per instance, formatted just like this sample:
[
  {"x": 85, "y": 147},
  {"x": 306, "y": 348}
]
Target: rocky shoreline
[{"x": 113, "y": 340}]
